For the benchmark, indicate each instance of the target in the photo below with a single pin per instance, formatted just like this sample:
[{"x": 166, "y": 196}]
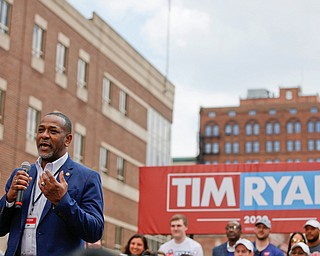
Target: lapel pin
[{"x": 68, "y": 174}]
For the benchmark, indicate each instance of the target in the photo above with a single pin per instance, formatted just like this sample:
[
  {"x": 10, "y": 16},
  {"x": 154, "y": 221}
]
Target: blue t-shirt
[{"x": 270, "y": 250}]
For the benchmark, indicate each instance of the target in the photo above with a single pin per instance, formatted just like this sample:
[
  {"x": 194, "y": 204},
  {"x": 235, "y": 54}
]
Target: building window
[
  {"x": 288, "y": 95},
  {"x": 272, "y": 128},
  {"x": 118, "y": 238},
  {"x": 216, "y": 130},
  {"x": 232, "y": 113},
  {"x": 227, "y": 148},
  {"x": 215, "y": 148},
  {"x": 272, "y": 112},
  {"x": 82, "y": 73},
  {"x": 159, "y": 137},
  {"x": 276, "y": 128},
  {"x": 310, "y": 126},
  {"x": 268, "y": 146},
  {"x": 78, "y": 147},
  {"x": 32, "y": 123},
  {"x": 106, "y": 90},
  {"x": 252, "y": 128},
  {"x": 293, "y": 111},
  {"x": 310, "y": 145},
  {"x": 272, "y": 146},
  {"x": 232, "y": 129},
  {"x": 276, "y": 146},
  {"x": 248, "y": 129},
  {"x": 317, "y": 126},
  {"x": 212, "y": 130},
  {"x": 211, "y": 114},
  {"x": 293, "y": 127},
  {"x": 207, "y": 131},
  {"x": 123, "y": 102},
  {"x": 256, "y": 146},
  {"x": 314, "y": 110},
  {"x": 269, "y": 128},
  {"x": 4, "y": 16},
  {"x": 252, "y": 112},
  {"x": 235, "y": 147},
  {"x": 61, "y": 58},
  {"x": 38, "y": 42},
  {"x": 120, "y": 168},
  {"x": 236, "y": 129},
  {"x": 2, "y": 98},
  {"x": 228, "y": 129},
  {"x": 293, "y": 145},
  {"x": 103, "y": 160},
  {"x": 248, "y": 147},
  {"x": 207, "y": 148},
  {"x": 318, "y": 145},
  {"x": 289, "y": 145}
]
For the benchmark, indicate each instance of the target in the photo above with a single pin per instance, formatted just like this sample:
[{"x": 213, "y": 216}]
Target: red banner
[{"x": 287, "y": 194}]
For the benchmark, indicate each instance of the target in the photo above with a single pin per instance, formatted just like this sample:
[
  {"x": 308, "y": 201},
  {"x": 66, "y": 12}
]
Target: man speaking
[{"x": 62, "y": 204}]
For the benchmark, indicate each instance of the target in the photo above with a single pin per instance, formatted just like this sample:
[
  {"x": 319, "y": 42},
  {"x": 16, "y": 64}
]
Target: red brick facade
[
  {"x": 262, "y": 129},
  {"x": 125, "y": 135}
]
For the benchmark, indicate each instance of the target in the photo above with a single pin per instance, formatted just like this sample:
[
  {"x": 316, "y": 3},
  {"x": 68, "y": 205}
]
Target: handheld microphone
[{"x": 25, "y": 166}]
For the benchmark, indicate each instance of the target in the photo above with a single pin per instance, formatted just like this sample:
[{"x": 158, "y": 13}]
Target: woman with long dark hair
[{"x": 136, "y": 245}]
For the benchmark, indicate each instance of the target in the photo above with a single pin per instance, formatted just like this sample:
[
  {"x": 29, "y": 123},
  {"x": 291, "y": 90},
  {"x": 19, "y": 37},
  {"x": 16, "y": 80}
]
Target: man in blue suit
[
  {"x": 233, "y": 232},
  {"x": 62, "y": 205}
]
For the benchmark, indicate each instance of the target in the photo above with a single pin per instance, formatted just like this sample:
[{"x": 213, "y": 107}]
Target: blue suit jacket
[
  {"x": 220, "y": 250},
  {"x": 77, "y": 218}
]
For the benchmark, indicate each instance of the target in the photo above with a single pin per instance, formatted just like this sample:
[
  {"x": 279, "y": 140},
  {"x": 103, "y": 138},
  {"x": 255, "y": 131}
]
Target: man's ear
[{"x": 68, "y": 140}]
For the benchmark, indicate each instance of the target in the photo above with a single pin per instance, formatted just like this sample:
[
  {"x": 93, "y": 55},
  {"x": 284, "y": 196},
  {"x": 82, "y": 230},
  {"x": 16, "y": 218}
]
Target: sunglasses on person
[{"x": 295, "y": 240}]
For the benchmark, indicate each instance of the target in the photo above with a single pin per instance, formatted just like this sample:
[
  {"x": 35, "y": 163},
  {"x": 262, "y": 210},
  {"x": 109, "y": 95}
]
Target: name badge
[{"x": 31, "y": 223}]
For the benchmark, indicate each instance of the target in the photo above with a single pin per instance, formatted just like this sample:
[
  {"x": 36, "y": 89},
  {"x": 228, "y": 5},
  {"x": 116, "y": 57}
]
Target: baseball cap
[
  {"x": 265, "y": 222},
  {"x": 303, "y": 246},
  {"x": 246, "y": 243},
  {"x": 312, "y": 223}
]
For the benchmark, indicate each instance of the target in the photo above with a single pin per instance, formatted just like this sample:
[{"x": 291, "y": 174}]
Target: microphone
[{"x": 25, "y": 166}]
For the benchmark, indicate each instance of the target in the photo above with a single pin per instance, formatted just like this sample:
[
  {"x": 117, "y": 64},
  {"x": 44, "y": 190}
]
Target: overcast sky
[{"x": 219, "y": 49}]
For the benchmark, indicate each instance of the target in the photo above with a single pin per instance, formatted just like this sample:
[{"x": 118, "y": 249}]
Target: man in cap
[
  {"x": 262, "y": 245},
  {"x": 243, "y": 247},
  {"x": 311, "y": 228},
  {"x": 233, "y": 232},
  {"x": 299, "y": 249}
]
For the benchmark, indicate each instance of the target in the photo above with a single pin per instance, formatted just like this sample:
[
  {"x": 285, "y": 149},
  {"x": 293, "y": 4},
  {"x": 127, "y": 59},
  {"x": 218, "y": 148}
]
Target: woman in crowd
[
  {"x": 136, "y": 245},
  {"x": 300, "y": 249},
  {"x": 296, "y": 237}
]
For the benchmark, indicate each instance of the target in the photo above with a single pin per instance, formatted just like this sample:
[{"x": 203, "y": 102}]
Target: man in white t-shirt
[{"x": 180, "y": 244}]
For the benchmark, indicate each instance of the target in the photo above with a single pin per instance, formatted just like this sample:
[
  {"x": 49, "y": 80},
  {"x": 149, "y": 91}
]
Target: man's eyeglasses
[{"x": 232, "y": 227}]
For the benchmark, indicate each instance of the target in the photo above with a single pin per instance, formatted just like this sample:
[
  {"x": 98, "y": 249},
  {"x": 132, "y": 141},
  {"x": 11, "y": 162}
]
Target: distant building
[
  {"x": 53, "y": 59},
  {"x": 263, "y": 128},
  {"x": 184, "y": 160}
]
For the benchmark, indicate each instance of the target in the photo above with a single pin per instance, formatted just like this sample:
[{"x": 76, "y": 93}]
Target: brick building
[
  {"x": 53, "y": 59},
  {"x": 264, "y": 128}
]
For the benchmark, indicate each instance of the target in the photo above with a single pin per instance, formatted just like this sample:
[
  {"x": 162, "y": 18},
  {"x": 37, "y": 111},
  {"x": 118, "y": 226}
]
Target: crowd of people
[
  {"x": 63, "y": 209},
  {"x": 306, "y": 243},
  {"x": 301, "y": 244}
]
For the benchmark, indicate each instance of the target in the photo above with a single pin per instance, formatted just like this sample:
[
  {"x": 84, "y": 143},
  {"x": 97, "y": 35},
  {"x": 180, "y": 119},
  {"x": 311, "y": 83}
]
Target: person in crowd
[
  {"x": 233, "y": 233},
  {"x": 62, "y": 206},
  {"x": 311, "y": 228},
  {"x": 180, "y": 244},
  {"x": 262, "y": 245},
  {"x": 300, "y": 249},
  {"x": 136, "y": 245},
  {"x": 243, "y": 247},
  {"x": 296, "y": 237}
]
